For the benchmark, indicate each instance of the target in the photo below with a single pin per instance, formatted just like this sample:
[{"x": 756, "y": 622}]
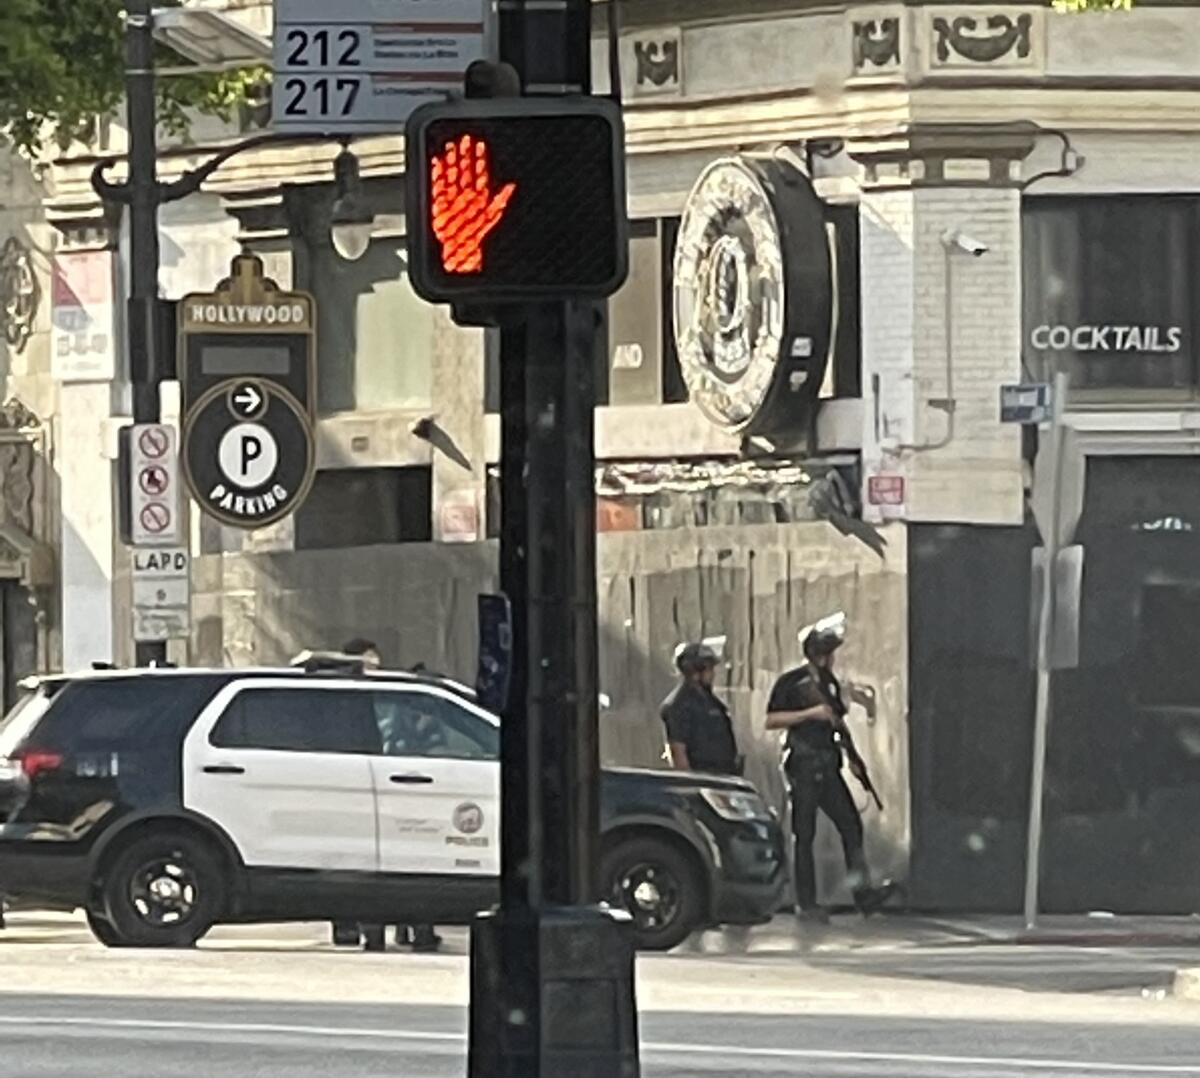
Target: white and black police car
[{"x": 163, "y": 802}]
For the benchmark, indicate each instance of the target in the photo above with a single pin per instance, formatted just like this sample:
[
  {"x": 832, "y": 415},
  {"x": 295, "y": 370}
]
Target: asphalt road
[{"x": 99, "y": 1037}]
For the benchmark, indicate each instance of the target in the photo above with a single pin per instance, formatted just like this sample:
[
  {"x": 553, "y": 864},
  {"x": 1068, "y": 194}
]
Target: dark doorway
[
  {"x": 1123, "y": 768},
  {"x": 18, "y": 649}
]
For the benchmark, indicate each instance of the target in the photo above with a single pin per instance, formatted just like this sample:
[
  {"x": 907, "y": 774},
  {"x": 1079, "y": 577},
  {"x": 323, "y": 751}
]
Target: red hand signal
[{"x": 464, "y": 208}]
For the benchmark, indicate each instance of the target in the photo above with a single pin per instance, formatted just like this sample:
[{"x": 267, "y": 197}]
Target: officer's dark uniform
[
  {"x": 813, "y": 765},
  {"x": 696, "y": 719}
]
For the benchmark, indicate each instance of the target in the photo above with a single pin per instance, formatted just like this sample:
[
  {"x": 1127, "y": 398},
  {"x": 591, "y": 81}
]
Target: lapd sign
[
  {"x": 247, "y": 377},
  {"x": 161, "y": 594}
]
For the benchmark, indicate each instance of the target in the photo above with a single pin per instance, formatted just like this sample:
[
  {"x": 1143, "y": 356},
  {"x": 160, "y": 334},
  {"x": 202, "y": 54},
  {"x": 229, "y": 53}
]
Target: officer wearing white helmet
[
  {"x": 807, "y": 702},
  {"x": 699, "y": 728}
]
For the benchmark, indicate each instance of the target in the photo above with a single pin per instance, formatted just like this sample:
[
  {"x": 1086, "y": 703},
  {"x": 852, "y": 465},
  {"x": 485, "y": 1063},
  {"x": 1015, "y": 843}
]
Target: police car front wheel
[
  {"x": 162, "y": 890},
  {"x": 660, "y": 886}
]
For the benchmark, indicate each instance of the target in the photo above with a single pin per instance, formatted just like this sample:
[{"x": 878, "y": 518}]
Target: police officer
[
  {"x": 807, "y": 702},
  {"x": 699, "y": 729}
]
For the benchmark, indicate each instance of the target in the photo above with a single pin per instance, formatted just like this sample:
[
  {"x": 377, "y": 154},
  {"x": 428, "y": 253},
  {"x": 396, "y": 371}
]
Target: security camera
[{"x": 966, "y": 243}]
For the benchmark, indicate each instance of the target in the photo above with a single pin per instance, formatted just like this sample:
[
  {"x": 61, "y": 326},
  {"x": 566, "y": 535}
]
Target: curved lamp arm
[{"x": 192, "y": 180}]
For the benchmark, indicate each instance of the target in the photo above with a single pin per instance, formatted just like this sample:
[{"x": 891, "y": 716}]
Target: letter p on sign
[{"x": 248, "y": 455}]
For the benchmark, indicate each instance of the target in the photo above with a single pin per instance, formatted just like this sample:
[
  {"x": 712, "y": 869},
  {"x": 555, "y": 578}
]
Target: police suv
[{"x": 165, "y": 801}]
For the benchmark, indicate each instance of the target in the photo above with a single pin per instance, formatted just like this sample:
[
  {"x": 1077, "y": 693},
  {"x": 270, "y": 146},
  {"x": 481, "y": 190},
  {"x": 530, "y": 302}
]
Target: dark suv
[{"x": 165, "y": 801}]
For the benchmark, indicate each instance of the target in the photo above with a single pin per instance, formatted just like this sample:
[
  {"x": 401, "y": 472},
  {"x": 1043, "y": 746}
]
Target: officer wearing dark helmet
[
  {"x": 699, "y": 729},
  {"x": 807, "y": 702}
]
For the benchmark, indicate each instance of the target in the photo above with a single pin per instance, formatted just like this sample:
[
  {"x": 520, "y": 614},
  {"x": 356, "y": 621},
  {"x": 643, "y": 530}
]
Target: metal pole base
[{"x": 552, "y": 995}]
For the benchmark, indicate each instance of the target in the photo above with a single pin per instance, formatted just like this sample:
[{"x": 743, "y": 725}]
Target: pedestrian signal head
[
  {"x": 512, "y": 200},
  {"x": 464, "y": 208}
]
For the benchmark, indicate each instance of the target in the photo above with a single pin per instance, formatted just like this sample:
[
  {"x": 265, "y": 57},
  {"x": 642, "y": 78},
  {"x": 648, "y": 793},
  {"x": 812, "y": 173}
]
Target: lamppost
[{"x": 214, "y": 42}]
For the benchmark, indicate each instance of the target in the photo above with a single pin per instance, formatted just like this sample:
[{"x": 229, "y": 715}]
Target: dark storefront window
[
  {"x": 1110, "y": 290},
  {"x": 636, "y": 317},
  {"x": 350, "y": 507}
]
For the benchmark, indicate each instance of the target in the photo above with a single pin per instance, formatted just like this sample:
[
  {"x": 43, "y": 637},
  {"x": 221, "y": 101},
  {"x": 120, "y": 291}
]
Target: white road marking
[
  {"x": 926, "y": 1058},
  {"x": 663, "y": 1048},
  {"x": 228, "y": 1027}
]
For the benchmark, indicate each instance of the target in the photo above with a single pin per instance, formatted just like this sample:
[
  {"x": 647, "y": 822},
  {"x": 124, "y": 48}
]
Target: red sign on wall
[{"x": 885, "y": 489}]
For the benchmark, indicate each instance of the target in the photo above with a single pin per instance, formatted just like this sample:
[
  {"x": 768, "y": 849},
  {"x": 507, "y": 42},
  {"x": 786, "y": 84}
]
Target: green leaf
[{"x": 62, "y": 68}]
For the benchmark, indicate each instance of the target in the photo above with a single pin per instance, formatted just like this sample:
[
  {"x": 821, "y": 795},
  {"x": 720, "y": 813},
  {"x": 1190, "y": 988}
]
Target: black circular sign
[
  {"x": 248, "y": 453},
  {"x": 754, "y": 295}
]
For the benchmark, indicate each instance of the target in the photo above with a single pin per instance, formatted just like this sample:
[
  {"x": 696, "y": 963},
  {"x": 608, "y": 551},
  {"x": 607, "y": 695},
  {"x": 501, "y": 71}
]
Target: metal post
[
  {"x": 145, "y": 366},
  {"x": 1041, "y": 715},
  {"x": 577, "y": 800},
  {"x": 520, "y": 784},
  {"x": 549, "y": 945}
]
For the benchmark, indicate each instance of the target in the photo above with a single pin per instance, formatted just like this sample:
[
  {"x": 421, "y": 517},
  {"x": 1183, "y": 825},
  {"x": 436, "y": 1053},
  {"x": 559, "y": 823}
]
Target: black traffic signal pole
[
  {"x": 548, "y": 569},
  {"x": 552, "y": 974}
]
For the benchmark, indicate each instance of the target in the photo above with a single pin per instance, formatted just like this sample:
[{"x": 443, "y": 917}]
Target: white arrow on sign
[{"x": 250, "y": 398}]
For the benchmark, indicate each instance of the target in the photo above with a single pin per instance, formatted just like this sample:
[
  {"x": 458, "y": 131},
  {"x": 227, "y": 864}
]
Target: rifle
[
  {"x": 864, "y": 777},
  {"x": 857, "y": 763}
]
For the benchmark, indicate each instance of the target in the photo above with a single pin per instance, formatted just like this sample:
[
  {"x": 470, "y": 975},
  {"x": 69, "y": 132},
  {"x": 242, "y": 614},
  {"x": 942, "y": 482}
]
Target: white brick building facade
[{"x": 941, "y": 332}]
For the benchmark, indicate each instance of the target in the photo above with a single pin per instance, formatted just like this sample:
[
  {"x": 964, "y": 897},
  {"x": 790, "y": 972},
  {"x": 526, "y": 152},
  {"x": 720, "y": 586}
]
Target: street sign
[
  {"x": 365, "y": 65},
  {"x": 1029, "y": 403},
  {"x": 161, "y": 594},
  {"x": 515, "y": 200},
  {"x": 246, "y": 374},
  {"x": 153, "y": 483},
  {"x": 1061, "y": 443}
]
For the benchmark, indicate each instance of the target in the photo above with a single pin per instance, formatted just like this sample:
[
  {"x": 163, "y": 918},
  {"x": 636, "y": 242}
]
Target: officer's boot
[{"x": 870, "y": 900}]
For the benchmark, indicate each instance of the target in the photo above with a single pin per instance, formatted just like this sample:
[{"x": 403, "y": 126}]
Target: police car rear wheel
[
  {"x": 659, "y": 886},
  {"x": 162, "y": 890}
]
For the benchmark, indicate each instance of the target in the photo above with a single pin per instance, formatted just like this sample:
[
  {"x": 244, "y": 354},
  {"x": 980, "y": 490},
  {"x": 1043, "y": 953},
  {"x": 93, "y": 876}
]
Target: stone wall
[{"x": 757, "y": 585}]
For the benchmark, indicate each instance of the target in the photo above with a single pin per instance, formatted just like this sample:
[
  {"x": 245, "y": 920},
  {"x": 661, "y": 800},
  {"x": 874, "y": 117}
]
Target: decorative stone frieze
[
  {"x": 982, "y": 39},
  {"x": 879, "y": 41},
  {"x": 658, "y": 63}
]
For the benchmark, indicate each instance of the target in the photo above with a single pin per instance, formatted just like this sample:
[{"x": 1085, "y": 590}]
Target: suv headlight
[{"x": 736, "y": 804}]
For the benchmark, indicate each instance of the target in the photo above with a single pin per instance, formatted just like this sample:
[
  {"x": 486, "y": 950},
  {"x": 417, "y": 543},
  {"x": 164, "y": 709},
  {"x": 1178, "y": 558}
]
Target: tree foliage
[
  {"x": 1092, "y": 5},
  {"x": 62, "y": 66}
]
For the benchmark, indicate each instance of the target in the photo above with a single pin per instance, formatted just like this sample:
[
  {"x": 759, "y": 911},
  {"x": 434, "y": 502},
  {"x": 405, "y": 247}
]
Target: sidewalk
[
  {"x": 782, "y": 935},
  {"x": 1100, "y": 929},
  {"x": 895, "y": 964},
  {"x": 890, "y": 931}
]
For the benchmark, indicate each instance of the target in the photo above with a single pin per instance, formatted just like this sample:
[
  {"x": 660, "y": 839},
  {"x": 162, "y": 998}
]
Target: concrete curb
[
  {"x": 1108, "y": 939},
  {"x": 1186, "y": 984}
]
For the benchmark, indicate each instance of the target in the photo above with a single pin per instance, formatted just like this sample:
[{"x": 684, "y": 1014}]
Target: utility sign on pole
[
  {"x": 152, "y": 480},
  {"x": 161, "y": 594},
  {"x": 365, "y": 65},
  {"x": 246, "y": 374}
]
